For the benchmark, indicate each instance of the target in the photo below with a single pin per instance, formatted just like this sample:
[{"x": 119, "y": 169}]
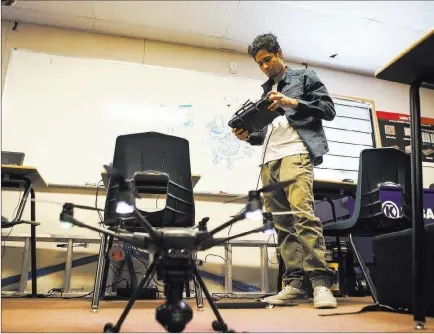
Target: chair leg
[
  {"x": 99, "y": 274},
  {"x": 365, "y": 270},
  {"x": 198, "y": 293},
  {"x": 341, "y": 270},
  {"x": 110, "y": 240}
]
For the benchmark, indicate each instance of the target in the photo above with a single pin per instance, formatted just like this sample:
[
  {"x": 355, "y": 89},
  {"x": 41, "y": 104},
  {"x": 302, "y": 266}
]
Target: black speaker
[{"x": 393, "y": 277}]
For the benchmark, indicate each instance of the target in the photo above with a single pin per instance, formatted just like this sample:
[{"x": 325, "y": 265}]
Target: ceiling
[{"x": 364, "y": 34}]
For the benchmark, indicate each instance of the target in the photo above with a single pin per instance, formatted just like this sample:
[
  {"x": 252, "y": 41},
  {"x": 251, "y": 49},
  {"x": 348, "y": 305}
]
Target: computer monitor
[{"x": 12, "y": 158}]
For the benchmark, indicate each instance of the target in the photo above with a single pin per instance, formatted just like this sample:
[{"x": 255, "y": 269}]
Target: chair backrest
[
  {"x": 381, "y": 167},
  {"x": 163, "y": 153}
]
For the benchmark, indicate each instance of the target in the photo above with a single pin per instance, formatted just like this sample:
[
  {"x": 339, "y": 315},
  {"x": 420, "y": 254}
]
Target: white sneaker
[
  {"x": 323, "y": 298},
  {"x": 286, "y": 296}
]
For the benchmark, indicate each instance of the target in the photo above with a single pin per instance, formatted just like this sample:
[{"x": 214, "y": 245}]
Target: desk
[
  {"x": 415, "y": 67},
  {"x": 29, "y": 178},
  {"x": 195, "y": 179},
  {"x": 28, "y": 173}
]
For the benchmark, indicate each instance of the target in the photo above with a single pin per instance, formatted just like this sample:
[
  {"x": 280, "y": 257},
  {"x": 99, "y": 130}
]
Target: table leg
[
  {"x": 419, "y": 259},
  {"x": 25, "y": 266},
  {"x": 265, "y": 285},
  {"x": 68, "y": 267},
  {"x": 22, "y": 205},
  {"x": 33, "y": 243},
  {"x": 228, "y": 268}
]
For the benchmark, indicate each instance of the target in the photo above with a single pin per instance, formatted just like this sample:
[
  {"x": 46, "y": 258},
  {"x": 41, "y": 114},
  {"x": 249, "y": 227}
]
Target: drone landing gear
[
  {"x": 109, "y": 328},
  {"x": 218, "y": 325},
  {"x": 175, "y": 314}
]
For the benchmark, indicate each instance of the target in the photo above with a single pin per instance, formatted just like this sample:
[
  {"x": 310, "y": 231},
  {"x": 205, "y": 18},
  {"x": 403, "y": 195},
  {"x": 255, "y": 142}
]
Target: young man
[{"x": 292, "y": 145}]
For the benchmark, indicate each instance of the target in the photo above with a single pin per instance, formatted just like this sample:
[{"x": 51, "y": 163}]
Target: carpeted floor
[{"x": 59, "y": 315}]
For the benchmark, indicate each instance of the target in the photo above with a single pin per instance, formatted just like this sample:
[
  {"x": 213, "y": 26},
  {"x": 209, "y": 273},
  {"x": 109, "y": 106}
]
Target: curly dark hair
[{"x": 266, "y": 42}]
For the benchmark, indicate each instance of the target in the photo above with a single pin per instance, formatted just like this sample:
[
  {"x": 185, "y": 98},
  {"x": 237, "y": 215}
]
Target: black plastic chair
[
  {"x": 136, "y": 157},
  {"x": 158, "y": 164},
  {"x": 377, "y": 167}
]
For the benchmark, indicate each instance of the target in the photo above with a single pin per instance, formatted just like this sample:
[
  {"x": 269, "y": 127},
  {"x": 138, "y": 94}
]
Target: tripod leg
[
  {"x": 109, "y": 328},
  {"x": 218, "y": 325}
]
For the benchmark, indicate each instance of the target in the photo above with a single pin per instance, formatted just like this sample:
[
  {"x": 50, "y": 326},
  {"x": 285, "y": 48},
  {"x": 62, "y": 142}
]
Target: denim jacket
[{"x": 314, "y": 105}]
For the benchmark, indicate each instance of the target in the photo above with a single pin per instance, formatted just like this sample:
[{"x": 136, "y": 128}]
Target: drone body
[{"x": 174, "y": 252}]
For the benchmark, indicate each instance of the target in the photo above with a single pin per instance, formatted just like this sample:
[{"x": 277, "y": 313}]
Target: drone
[{"x": 174, "y": 252}]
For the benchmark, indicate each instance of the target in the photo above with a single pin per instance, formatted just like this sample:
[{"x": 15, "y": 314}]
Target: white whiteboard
[{"x": 65, "y": 113}]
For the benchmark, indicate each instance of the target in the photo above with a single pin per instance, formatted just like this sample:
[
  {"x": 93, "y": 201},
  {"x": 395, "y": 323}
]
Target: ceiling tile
[
  {"x": 417, "y": 15},
  {"x": 71, "y": 8},
  {"x": 308, "y": 32},
  {"x": 170, "y": 36},
  {"x": 233, "y": 45},
  {"x": 378, "y": 44},
  {"x": 46, "y": 18},
  {"x": 199, "y": 17},
  {"x": 361, "y": 9},
  {"x": 309, "y": 36}
]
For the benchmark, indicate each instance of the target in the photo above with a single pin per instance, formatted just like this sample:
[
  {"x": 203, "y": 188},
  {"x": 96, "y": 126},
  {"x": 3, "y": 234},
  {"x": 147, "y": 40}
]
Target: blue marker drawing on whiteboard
[
  {"x": 188, "y": 122},
  {"x": 185, "y": 106},
  {"x": 216, "y": 131},
  {"x": 226, "y": 148},
  {"x": 216, "y": 127}
]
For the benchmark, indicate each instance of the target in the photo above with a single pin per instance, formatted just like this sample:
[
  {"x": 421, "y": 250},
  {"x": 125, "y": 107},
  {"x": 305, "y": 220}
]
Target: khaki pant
[{"x": 300, "y": 236}]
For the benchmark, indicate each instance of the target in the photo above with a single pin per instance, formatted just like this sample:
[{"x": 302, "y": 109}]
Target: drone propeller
[
  {"x": 269, "y": 188},
  {"x": 113, "y": 173}
]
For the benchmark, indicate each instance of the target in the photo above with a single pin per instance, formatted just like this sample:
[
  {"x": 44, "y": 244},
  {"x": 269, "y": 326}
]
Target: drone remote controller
[{"x": 253, "y": 116}]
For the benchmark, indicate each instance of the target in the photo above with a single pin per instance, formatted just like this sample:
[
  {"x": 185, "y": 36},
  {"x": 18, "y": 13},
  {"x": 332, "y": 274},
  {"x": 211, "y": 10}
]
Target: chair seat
[
  {"x": 364, "y": 228},
  {"x": 155, "y": 218},
  {"x": 339, "y": 228},
  {"x": 150, "y": 184}
]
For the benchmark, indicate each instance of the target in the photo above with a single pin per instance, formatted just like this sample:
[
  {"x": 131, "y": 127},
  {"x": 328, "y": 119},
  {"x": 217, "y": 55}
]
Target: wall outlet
[{"x": 233, "y": 68}]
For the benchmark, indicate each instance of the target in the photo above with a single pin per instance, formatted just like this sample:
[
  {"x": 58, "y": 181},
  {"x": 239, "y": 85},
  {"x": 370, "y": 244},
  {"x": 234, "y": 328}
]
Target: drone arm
[
  {"x": 140, "y": 241},
  {"x": 206, "y": 244},
  {"x": 85, "y": 207},
  {"x": 70, "y": 219},
  {"x": 142, "y": 220},
  {"x": 227, "y": 224}
]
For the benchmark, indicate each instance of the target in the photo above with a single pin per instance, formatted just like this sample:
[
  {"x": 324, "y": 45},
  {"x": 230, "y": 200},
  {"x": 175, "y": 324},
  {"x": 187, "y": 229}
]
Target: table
[
  {"x": 415, "y": 67},
  {"x": 265, "y": 284},
  {"x": 28, "y": 177},
  {"x": 68, "y": 239}
]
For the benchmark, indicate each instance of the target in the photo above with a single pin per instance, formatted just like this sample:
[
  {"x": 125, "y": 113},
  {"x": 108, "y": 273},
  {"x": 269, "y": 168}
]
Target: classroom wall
[{"x": 387, "y": 97}]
